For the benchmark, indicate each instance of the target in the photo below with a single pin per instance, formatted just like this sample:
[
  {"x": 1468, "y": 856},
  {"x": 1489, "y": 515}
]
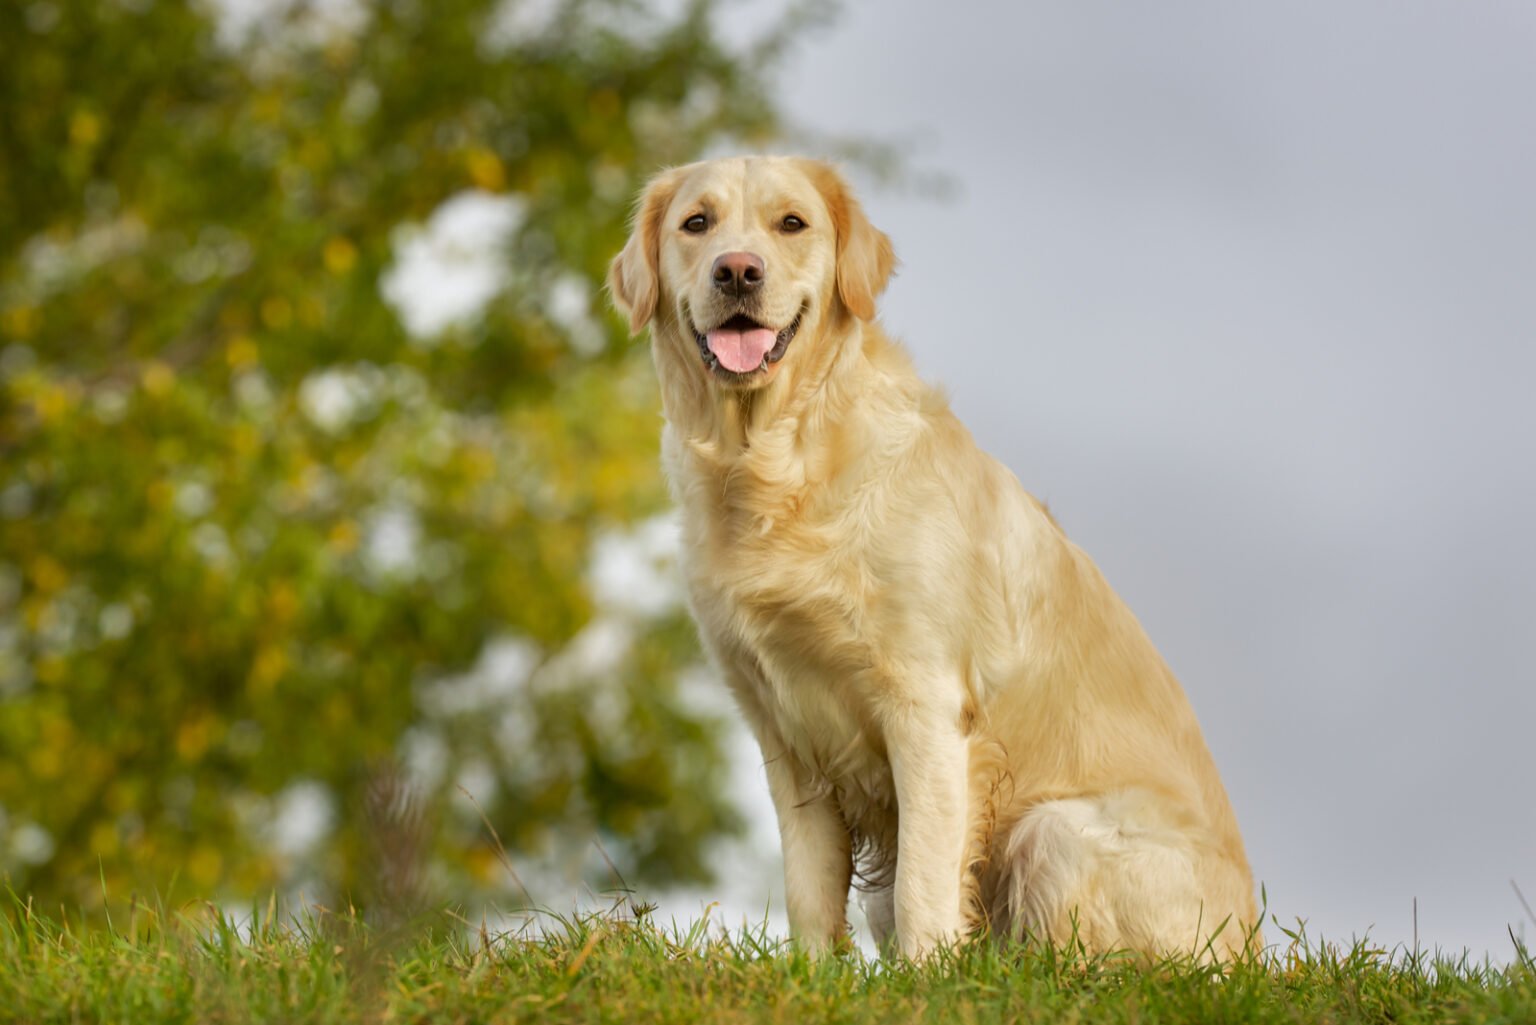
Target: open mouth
[{"x": 741, "y": 346}]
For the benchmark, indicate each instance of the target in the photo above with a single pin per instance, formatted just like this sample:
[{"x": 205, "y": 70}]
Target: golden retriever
[{"x": 951, "y": 702}]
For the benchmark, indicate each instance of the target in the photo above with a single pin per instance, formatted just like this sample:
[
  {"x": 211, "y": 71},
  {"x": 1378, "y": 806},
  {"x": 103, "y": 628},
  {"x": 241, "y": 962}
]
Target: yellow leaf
[
  {"x": 343, "y": 536},
  {"x": 268, "y": 668},
  {"x": 121, "y": 796},
  {"x": 276, "y": 312},
  {"x": 193, "y": 737},
  {"x": 45, "y": 762},
  {"x": 314, "y": 152},
  {"x": 205, "y": 864},
  {"x": 51, "y": 403},
  {"x": 84, "y": 128},
  {"x": 245, "y": 440},
  {"x": 282, "y": 601},
  {"x": 268, "y": 107},
  {"x": 19, "y": 322},
  {"x": 103, "y": 840},
  {"x": 340, "y": 255},
  {"x": 483, "y": 865},
  {"x": 486, "y": 169},
  {"x": 47, "y": 575},
  {"x": 157, "y": 378},
  {"x": 311, "y": 311},
  {"x": 49, "y": 669},
  {"x": 241, "y": 352},
  {"x": 479, "y": 463},
  {"x": 159, "y": 494}
]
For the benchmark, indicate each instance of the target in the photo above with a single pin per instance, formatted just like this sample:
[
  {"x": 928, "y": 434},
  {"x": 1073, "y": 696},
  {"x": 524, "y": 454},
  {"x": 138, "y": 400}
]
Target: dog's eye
[
  {"x": 792, "y": 224},
  {"x": 696, "y": 224}
]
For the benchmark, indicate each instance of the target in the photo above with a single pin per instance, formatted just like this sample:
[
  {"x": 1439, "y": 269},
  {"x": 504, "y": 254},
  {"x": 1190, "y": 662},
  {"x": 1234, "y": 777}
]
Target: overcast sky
[{"x": 1248, "y": 294}]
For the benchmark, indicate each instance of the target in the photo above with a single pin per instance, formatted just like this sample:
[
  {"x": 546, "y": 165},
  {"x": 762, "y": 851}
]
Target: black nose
[{"x": 738, "y": 273}]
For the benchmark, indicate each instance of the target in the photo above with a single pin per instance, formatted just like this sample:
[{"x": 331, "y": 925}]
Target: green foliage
[
  {"x": 199, "y": 607},
  {"x": 329, "y": 970}
]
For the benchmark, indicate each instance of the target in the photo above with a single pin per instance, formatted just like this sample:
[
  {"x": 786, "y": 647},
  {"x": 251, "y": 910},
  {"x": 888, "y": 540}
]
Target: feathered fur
[{"x": 945, "y": 690}]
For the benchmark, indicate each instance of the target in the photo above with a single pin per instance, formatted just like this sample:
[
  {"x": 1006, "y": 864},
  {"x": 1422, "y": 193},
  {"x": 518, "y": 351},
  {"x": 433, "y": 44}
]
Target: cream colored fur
[{"x": 951, "y": 702}]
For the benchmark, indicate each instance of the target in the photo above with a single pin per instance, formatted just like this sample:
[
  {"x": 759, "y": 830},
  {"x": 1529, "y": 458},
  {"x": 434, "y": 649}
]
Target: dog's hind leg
[{"x": 1111, "y": 873}]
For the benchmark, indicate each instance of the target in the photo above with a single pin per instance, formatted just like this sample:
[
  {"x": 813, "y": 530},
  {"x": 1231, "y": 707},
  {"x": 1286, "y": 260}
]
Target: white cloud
[
  {"x": 635, "y": 572},
  {"x": 304, "y": 814},
  {"x": 446, "y": 272},
  {"x": 424, "y": 754},
  {"x": 496, "y": 679},
  {"x": 238, "y": 22},
  {"x": 391, "y": 540},
  {"x": 568, "y": 302},
  {"x": 335, "y": 397},
  {"x": 515, "y": 22},
  {"x": 31, "y": 844}
]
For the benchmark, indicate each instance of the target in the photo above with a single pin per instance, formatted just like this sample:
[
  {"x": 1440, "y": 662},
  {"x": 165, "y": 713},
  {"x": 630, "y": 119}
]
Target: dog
[{"x": 953, "y": 707}]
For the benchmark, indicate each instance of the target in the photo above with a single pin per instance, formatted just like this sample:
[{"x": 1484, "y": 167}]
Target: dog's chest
[{"x": 791, "y": 612}]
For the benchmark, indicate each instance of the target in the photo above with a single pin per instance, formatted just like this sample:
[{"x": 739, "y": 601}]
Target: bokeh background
[{"x": 332, "y": 543}]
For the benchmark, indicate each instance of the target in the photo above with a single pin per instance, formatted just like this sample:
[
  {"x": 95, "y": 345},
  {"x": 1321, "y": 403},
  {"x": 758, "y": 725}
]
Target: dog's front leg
[
  {"x": 818, "y": 856},
  {"x": 928, "y": 756}
]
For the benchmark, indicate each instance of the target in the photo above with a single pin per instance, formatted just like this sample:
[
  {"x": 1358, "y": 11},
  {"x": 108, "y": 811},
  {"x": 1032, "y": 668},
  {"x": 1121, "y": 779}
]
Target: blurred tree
[{"x": 281, "y": 504}]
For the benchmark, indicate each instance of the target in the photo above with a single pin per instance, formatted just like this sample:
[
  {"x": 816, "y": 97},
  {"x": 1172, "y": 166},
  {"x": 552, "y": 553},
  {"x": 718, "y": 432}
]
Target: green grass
[{"x": 198, "y": 966}]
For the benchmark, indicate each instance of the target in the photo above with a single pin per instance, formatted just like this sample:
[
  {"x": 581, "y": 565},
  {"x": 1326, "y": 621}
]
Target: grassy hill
[{"x": 197, "y": 966}]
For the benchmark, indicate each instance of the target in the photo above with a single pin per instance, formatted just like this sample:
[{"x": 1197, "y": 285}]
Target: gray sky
[{"x": 1248, "y": 294}]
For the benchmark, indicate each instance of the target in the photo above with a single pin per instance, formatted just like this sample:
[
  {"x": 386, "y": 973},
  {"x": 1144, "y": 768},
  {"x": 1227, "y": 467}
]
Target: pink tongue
[{"x": 740, "y": 351}]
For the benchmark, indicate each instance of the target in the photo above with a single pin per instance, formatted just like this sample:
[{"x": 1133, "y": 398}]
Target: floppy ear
[
  {"x": 633, "y": 276},
  {"x": 865, "y": 259}
]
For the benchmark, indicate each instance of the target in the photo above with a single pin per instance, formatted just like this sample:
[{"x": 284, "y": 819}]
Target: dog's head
[{"x": 738, "y": 258}]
